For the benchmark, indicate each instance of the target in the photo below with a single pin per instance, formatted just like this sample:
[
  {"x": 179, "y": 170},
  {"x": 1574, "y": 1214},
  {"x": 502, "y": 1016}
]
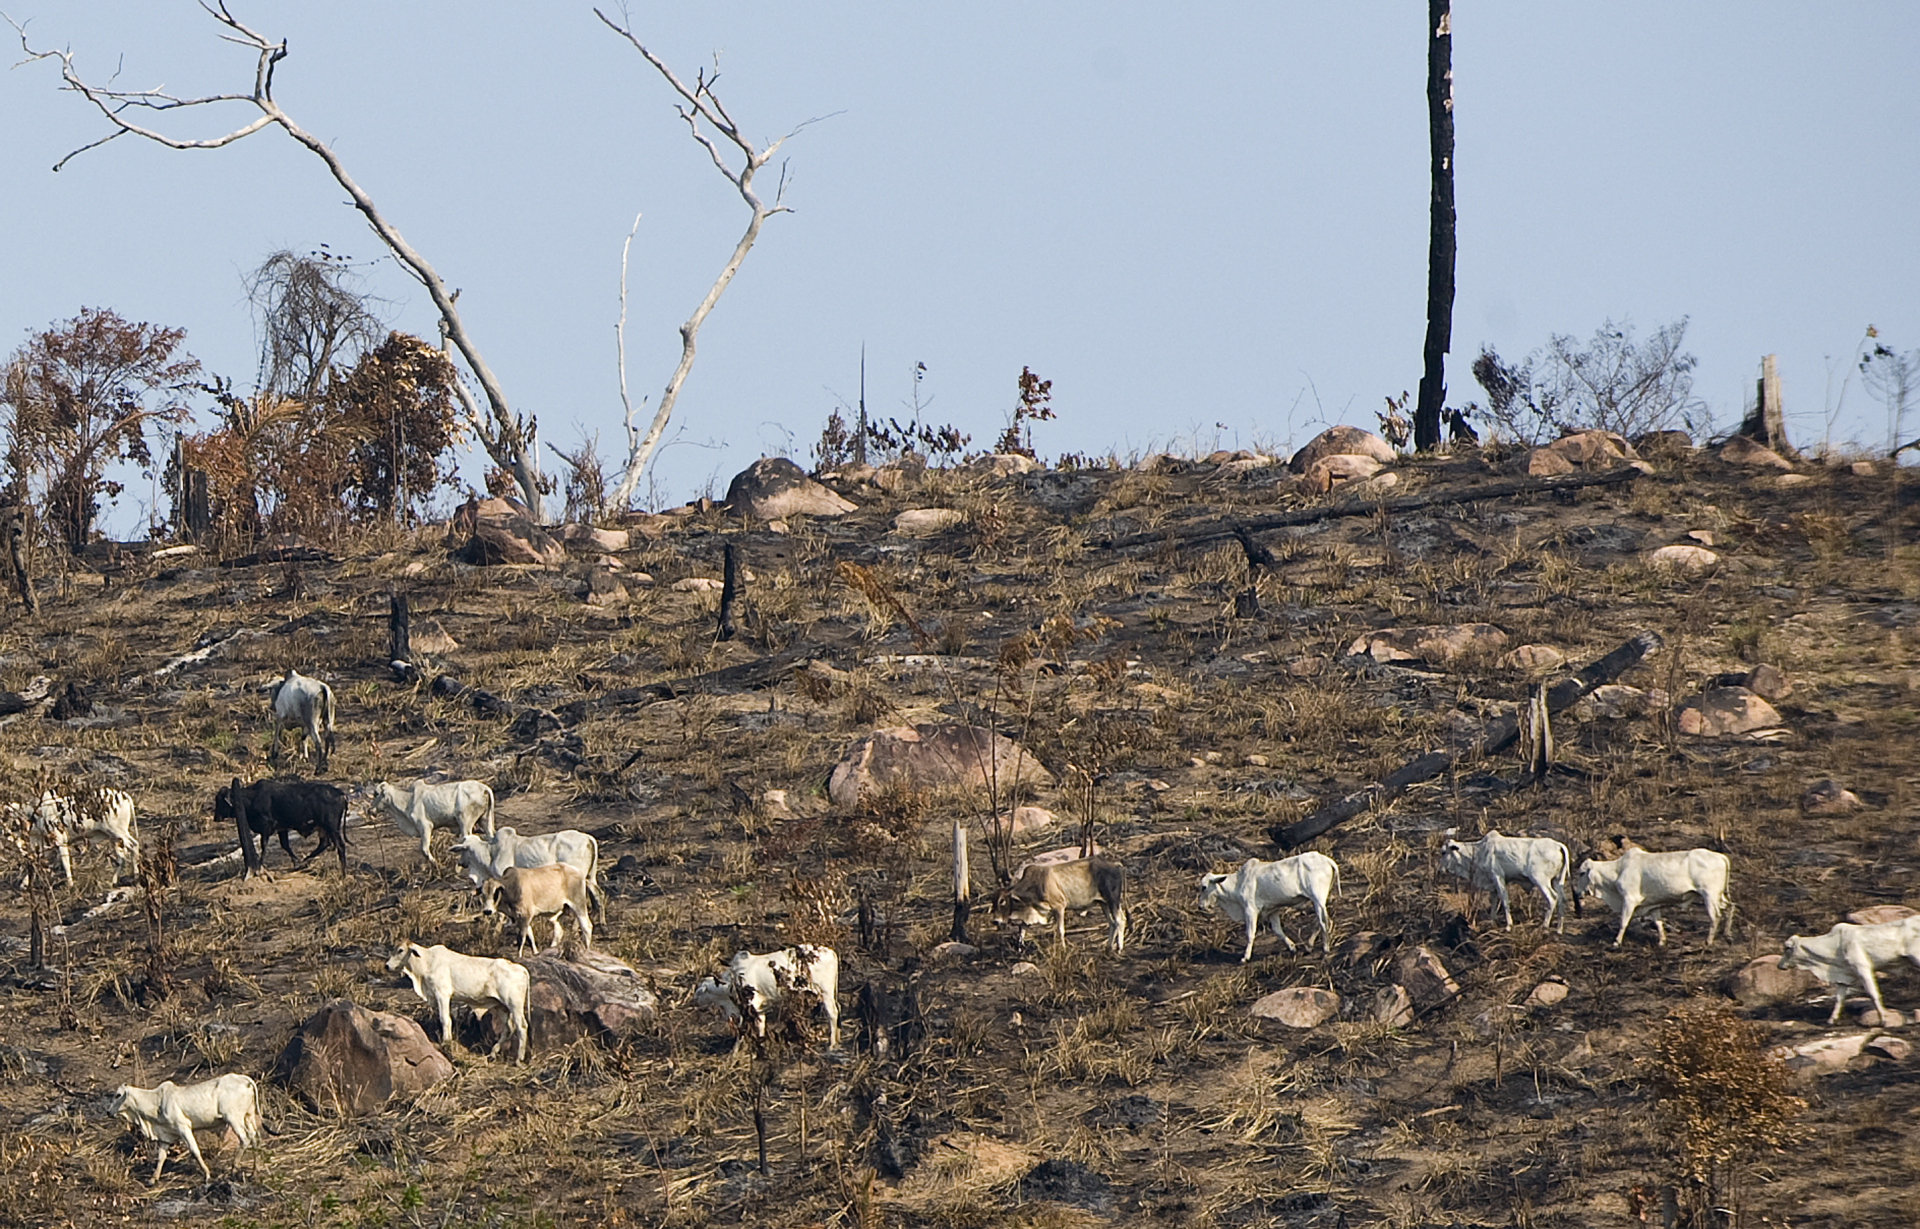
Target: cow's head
[
  {"x": 226, "y": 800},
  {"x": 1456, "y": 859},
  {"x": 490, "y": 894},
  {"x": 1792, "y": 956},
  {"x": 407, "y": 952},
  {"x": 117, "y": 1107}
]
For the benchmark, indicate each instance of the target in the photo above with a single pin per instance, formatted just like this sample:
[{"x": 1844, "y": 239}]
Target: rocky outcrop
[
  {"x": 1830, "y": 798},
  {"x": 1298, "y": 1006},
  {"x": 498, "y": 532},
  {"x": 348, "y": 1058},
  {"x": 929, "y": 757},
  {"x": 1761, "y": 982},
  {"x": 1338, "y": 441},
  {"x": 1438, "y": 643},
  {"x": 1682, "y": 558},
  {"x": 1722, "y": 711},
  {"x": 774, "y": 487},
  {"x": 1327, "y": 472},
  {"x": 1740, "y": 450},
  {"x": 925, "y": 522},
  {"x": 595, "y": 995}
]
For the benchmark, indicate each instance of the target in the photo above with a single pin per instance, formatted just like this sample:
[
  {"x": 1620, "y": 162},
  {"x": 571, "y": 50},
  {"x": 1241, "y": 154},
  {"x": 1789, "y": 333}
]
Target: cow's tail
[
  {"x": 1336, "y": 877},
  {"x": 595, "y": 894},
  {"x": 326, "y": 710},
  {"x": 489, "y": 814}
]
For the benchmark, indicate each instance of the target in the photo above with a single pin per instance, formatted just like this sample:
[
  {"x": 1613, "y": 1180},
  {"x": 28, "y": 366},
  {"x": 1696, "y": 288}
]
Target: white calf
[
  {"x": 1640, "y": 879},
  {"x": 306, "y": 705},
  {"x": 458, "y": 806},
  {"x": 531, "y": 892},
  {"x": 1846, "y": 956},
  {"x": 1308, "y": 878},
  {"x": 443, "y": 977},
  {"x": 171, "y": 1113},
  {"x": 757, "y": 983},
  {"x": 100, "y": 813},
  {"x": 1494, "y": 860},
  {"x": 489, "y": 857}
]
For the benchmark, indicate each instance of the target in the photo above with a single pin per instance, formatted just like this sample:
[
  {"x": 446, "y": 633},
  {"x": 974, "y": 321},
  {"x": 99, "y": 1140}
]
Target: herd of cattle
[{"x": 557, "y": 873}]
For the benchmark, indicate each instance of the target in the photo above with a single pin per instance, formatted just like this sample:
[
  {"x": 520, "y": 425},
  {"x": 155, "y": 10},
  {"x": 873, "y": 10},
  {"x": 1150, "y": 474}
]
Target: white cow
[
  {"x": 96, "y": 814},
  {"x": 531, "y": 892},
  {"x": 1308, "y": 878},
  {"x": 758, "y": 982},
  {"x": 1495, "y": 860},
  {"x": 1846, "y": 956},
  {"x": 443, "y": 977},
  {"x": 171, "y": 1113},
  {"x": 457, "y": 806},
  {"x": 1641, "y": 879},
  {"x": 489, "y": 857},
  {"x": 306, "y": 705}
]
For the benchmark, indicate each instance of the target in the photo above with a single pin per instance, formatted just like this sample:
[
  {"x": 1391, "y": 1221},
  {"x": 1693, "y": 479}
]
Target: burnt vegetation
[{"x": 1098, "y": 616}]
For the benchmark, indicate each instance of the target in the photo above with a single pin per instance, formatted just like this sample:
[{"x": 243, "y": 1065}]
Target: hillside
[{"x": 1099, "y": 616}]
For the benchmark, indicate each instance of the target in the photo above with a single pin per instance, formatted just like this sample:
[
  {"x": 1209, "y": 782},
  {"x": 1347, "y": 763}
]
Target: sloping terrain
[{"x": 1098, "y": 616}]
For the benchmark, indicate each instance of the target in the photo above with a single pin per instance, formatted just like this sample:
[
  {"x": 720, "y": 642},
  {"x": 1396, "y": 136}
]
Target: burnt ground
[{"x": 1093, "y": 615}]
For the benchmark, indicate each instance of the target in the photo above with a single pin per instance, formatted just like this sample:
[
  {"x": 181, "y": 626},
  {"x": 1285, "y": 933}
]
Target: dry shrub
[{"x": 1722, "y": 1100}]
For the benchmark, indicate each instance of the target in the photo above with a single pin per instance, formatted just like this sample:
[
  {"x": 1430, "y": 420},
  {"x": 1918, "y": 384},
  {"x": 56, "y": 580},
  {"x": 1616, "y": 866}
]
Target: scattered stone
[
  {"x": 1722, "y": 711},
  {"x": 1862, "y": 468},
  {"x": 1026, "y": 820},
  {"x": 1256, "y": 761},
  {"x": 1702, "y": 536},
  {"x": 1830, "y": 798},
  {"x": 1740, "y": 450},
  {"x": 924, "y": 522},
  {"x": 1248, "y": 464},
  {"x": 1769, "y": 683},
  {"x": 774, "y": 488},
  {"x": 1792, "y": 480},
  {"x": 1002, "y": 464},
  {"x": 1439, "y": 643},
  {"x": 1329, "y": 471},
  {"x": 1361, "y": 947},
  {"x": 603, "y": 587},
  {"x": 1160, "y": 463},
  {"x": 953, "y": 949},
  {"x": 1532, "y": 657},
  {"x": 597, "y": 539},
  {"x": 1761, "y": 982},
  {"x": 1826, "y": 1056},
  {"x": 593, "y": 995},
  {"x": 347, "y": 1058},
  {"x": 1874, "y": 1019},
  {"x": 1874, "y": 915},
  {"x": 1893, "y": 1047},
  {"x": 777, "y": 527},
  {"x": 1393, "y": 1007},
  {"x": 774, "y": 804},
  {"x": 1425, "y": 978},
  {"x": 1546, "y": 463},
  {"x": 1546, "y": 994},
  {"x": 1683, "y": 558},
  {"x": 698, "y": 584},
  {"x": 1337, "y": 441},
  {"x": 930, "y": 756},
  {"x": 896, "y": 476},
  {"x": 507, "y": 538},
  {"x": 1378, "y": 485},
  {"x": 1026, "y": 968},
  {"x": 1298, "y": 1006},
  {"x": 1617, "y": 701}
]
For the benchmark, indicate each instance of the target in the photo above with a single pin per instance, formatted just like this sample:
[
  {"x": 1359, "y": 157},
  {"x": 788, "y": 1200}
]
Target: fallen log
[
  {"x": 746, "y": 676},
  {"x": 1367, "y": 507},
  {"x": 1499, "y": 734}
]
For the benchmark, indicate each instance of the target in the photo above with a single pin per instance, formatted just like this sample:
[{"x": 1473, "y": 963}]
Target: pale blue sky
[{"x": 1183, "y": 217}]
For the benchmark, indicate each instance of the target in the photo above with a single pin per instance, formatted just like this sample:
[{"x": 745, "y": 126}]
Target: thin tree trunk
[
  {"x": 729, "y": 593},
  {"x": 1440, "y": 239},
  {"x": 962, "y": 882},
  {"x": 399, "y": 634}
]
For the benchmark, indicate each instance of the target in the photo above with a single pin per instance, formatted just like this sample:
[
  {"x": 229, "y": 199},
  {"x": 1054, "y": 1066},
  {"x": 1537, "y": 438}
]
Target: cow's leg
[
  {"x": 1119, "y": 928},
  {"x": 426, "y": 840},
  {"x": 1628, "y": 904},
  {"x": 1659, "y": 925},
  {"x": 1872, "y": 983},
  {"x": 63, "y": 844},
  {"x": 586, "y": 926},
  {"x": 1253, "y": 928},
  {"x": 1326, "y": 927},
  {"x": 159, "y": 1159},
  {"x": 1506, "y": 905},
  {"x": 286, "y": 843},
  {"x": 443, "y": 1005},
  {"x": 558, "y": 942}
]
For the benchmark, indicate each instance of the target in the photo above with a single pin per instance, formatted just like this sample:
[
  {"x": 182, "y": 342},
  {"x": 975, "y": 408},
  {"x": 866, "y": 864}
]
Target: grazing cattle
[
  {"x": 1494, "y": 860},
  {"x": 443, "y": 977},
  {"x": 1054, "y": 888},
  {"x": 171, "y": 1113},
  {"x": 1846, "y": 956},
  {"x": 1640, "y": 879},
  {"x": 306, "y": 705},
  {"x": 530, "y": 892},
  {"x": 92, "y": 815},
  {"x": 489, "y": 857},
  {"x": 283, "y": 807},
  {"x": 417, "y": 810},
  {"x": 756, "y": 984},
  {"x": 1308, "y": 878}
]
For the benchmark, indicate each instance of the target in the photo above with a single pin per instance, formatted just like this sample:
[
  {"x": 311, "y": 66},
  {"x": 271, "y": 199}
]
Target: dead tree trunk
[
  {"x": 13, "y": 523},
  {"x": 962, "y": 882},
  {"x": 1498, "y": 735},
  {"x": 1440, "y": 231},
  {"x": 1768, "y": 423},
  {"x": 400, "y": 636},
  {"x": 729, "y": 593}
]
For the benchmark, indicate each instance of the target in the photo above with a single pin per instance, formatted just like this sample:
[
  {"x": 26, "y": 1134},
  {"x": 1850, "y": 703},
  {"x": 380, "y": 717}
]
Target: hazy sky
[{"x": 1205, "y": 224}]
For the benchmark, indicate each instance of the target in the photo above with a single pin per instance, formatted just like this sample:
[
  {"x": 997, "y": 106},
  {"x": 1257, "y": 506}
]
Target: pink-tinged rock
[
  {"x": 1894, "y": 1048},
  {"x": 774, "y": 488},
  {"x": 1761, "y": 982},
  {"x": 1546, "y": 463},
  {"x": 1298, "y": 1007},
  {"x": 597, "y": 539},
  {"x": 1722, "y": 711},
  {"x": 1874, "y": 915},
  {"x": 1683, "y": 558},
  {"x": 346, "y": 1057},
  {"x": 1438, "y": 643},
  {"x": 1873, "y": 1018},
  {"x": 1532, "y": 657},
  {"x": 1862, "y": 468},
  {"x": 1003, "y": 464},
  {"x": 1769, "y": 683},
  {"x": 1546, "y": 994},
  {"x": 1333, "y": 469},
  {"x": 1426, "y": 980},
  {"x": 1587, "y": 447},
  {"x": 1027, "y": 820},
  {"x": 1830, "y": 798},
  {"x": 931, "y": 756},
  {"x": 1335, "y": 441},
  {"x": 1827, "y": 1056},
  {"x": 1393, "y": 1007},
  {"x": 1740, "y": 450},
  {"x": 1702, "y": 536},
  {"x": 698, "y": 584},
  {"x": 922, "y": 522}
]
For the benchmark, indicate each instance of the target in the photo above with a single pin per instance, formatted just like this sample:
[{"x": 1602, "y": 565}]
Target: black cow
[{"x": 284, "y": 806}]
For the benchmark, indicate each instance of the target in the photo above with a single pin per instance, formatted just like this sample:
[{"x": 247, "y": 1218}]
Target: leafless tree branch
[
  {"x": 700, "y": 107},
  {"x": 508, "y": 438}
]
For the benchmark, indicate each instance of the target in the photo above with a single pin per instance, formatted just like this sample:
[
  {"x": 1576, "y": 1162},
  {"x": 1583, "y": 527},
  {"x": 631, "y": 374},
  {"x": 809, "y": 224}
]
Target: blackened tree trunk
[{"x": 1440, "y": 240}]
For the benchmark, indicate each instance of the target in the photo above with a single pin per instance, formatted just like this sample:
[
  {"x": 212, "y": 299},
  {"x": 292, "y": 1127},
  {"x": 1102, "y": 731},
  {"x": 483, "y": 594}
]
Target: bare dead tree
[
  {"x": 1440, "y": 237},
  {"x": 508, "y": 438},
  {"x": 700, "y": 109}
]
